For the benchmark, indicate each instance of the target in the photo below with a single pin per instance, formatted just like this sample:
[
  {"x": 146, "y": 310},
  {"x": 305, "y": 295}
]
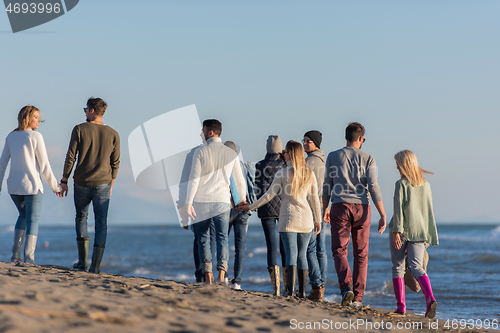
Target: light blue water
[{"x": 464, "y": 269}]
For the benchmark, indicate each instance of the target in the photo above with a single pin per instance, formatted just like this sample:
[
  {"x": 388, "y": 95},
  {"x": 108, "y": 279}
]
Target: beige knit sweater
[{"x": 295, "y": 213}]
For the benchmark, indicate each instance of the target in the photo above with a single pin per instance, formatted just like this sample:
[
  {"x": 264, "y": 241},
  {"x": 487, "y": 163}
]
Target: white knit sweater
[
  {"x": 295, "y": 213},
  {"x": 28, "y": 156}
]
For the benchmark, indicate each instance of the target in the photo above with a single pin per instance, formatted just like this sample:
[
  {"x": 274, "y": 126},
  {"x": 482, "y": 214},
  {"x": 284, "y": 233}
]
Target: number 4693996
[{"x": 33, "y": 8}]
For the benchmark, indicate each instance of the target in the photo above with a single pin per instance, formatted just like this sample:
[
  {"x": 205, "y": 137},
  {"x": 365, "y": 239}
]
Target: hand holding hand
[{"x": 64, "y": 191}]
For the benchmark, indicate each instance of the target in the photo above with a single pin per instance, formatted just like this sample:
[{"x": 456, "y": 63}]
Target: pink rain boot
[
  {"x": 425, "y": 284},
  {"x": 399, "y": 292}
]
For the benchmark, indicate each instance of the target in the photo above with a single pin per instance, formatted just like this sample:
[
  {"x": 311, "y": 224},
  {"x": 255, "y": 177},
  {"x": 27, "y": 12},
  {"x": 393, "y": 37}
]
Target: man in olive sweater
[{"x": 98, "y": 149}]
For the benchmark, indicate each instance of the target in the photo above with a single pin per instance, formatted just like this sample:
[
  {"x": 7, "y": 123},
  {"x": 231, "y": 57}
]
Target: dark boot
[
  {"x": 274, "y": 273},
  {"x": 291, "y": 276},
  {"x": 285, "y": 284},
  {"x": 317, "y": 294},
  {"x": 302, "y": 282},
  {"x": 83, "y": 252},
  {"x": 95, "y": 266},
  {"x": 18, "y": 245}
]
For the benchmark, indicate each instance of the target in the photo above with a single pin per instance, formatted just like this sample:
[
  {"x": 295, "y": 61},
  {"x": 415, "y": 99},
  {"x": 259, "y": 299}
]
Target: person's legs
[
  {"x": 398, "y": 271},
  {"x": 415, "y": 258},
  {"x": 221, "y": 223},
  {"x": 202, "y": 230},
  {"x": 82, "y": 201},
  {"x": 360, "y": 240},
  {"x": 290, "y": 245},
  {"x": 269, "y": 226},
  {"x": 312, "y": 262},
  {"x": 321, "y": 254},
  {"x": 100, "y": 203},
  {"x": 302, "y": 244},
  {"x": 20, "y": 228},
  {"x": 198, "y": 273},
  {"x": 340, "y": 221},
  {"x": 240, "y": 237},
  {"x": 33, "y": 204}
]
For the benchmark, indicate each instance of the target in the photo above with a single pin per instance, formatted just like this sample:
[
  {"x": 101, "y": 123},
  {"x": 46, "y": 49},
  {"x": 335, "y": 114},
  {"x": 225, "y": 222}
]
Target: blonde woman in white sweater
[
  {"x": 28, "y": 160},
  {"x": 299, "y": 203}
]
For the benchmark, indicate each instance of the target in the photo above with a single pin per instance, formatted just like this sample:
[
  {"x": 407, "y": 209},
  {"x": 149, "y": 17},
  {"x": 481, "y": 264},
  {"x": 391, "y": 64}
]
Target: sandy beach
[{"x": 58, "y": 299}]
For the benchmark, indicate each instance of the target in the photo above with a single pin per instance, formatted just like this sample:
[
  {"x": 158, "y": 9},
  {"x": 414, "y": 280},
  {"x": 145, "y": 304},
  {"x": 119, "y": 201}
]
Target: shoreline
[{"x": 58, "y": 299}]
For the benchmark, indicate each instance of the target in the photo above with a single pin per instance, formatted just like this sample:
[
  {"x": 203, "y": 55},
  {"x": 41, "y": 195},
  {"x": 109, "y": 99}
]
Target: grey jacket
[{"x": 316, "y": 162}]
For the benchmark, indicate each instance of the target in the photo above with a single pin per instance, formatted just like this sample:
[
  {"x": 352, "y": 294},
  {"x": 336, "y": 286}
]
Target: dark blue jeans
[
  {"x": 198, "y": 273},
  {"x": 269, "y": 226},
  {"x": 239, "y": 222},
  {"x": 296, "y": 248},
  {"x": 29, "y": 207},
  {"x": 317, "y": 258},
  {"x": 99, "y": 197}
]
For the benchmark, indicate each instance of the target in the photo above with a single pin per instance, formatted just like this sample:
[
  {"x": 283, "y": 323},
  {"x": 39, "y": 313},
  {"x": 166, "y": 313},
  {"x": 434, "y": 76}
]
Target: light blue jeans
[
  {"x": 239, "y": 222},
  {"x": 202, "y": 230},
  {"x": 29, "y": 207},
  {"x": 296, "y": 248},
  {"x": 99, "y": 197},
  {"x": 317, "y": 258}
]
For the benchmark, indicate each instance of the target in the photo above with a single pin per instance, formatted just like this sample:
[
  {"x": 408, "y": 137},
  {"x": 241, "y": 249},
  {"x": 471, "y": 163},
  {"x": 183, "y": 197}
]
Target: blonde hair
[
  {"x": 24, "y": 117},
  {"x": 302, "y": 175},
  {"x": 409, "y": 168}
]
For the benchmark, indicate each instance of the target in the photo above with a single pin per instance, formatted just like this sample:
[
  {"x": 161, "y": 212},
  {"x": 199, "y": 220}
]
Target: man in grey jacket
[
  {"x": 350, "y": 181},
  {"x": 316, "y": 251}
]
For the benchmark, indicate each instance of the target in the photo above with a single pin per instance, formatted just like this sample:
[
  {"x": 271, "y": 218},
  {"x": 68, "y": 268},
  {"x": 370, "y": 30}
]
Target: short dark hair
[
  {"x": 353, "y": 131},
  {"x": 213, "y": 125},
  {"x": 98, "y": 104}
]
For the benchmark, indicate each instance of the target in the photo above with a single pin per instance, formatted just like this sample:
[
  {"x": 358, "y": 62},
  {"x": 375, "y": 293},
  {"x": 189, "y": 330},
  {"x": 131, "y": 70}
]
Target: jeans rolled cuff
[
  {"x": 207, "y": 268},
  {"x": 223, "y": 266}
]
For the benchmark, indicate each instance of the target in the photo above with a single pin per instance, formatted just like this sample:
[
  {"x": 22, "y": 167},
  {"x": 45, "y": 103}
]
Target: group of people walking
[
  {"x": 94, "y": 151},
  {"x": 217, "y": 193},
  {"x": 298, "y": 195}
]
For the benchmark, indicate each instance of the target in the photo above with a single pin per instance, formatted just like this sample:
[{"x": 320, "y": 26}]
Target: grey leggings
[{"x": 415, "y": 257}]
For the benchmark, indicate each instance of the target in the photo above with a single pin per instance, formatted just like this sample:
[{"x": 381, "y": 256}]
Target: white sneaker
[
  {"x": 357, "y": 304},
  {"x": 236, "y": 286}
]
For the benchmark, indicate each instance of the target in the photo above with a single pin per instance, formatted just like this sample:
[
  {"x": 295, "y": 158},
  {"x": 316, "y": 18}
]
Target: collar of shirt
[{"x": 214, "y": 139}]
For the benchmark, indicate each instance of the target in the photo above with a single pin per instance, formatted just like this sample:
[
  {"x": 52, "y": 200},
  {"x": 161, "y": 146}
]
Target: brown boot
[
  {"x": 317, "y": 294},
  {"x": 209, "y": 278},
  {"x": 274, "y": 272}
]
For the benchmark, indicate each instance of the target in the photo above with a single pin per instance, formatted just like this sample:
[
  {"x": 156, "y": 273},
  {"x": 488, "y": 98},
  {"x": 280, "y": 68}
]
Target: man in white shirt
[{"x": 208, "y": 199}]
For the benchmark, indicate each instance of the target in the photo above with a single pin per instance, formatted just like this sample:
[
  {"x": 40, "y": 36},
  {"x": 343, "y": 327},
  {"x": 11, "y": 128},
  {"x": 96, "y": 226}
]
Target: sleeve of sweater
[
  {"x": 271, "y": 192},
  {"x": 4, "y": 160},
  {"x": 43, "y": 163},
  {"x": 194, "y": 177},
  {"x": 398, "y": 218},
  {"x": 314, "y": 201},
  {"x": 372, "y": 181},
  {"x": 71, "y": 154},
  {"x": 115, "y": 157},
  {"x": 328, "y": 183}
]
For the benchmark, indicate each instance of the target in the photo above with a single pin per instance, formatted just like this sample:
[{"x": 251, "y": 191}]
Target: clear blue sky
[{"x": 419, "y": 75}]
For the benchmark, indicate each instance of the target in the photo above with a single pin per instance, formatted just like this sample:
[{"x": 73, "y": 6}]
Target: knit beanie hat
[
  {"x": 274, "y": 144},
  {"x": 315, "y": 137}
]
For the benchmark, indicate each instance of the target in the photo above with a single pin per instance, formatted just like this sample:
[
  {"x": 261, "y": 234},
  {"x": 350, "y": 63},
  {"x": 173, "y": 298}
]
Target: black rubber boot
[
  {"x": 83, "y": 252},
  {"x": 291, "y": 276},
  {"x": 95, "y": 266},
  {"x": 302, "y": 282}
]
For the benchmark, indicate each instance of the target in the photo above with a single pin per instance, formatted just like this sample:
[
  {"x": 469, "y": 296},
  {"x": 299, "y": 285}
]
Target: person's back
[
  {"x": 351, "y": 176},
  {"x": 97, "y": 149}
]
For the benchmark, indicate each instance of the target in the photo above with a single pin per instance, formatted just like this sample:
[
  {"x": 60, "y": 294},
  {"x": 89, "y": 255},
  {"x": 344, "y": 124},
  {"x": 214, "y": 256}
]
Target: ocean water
[{"x": 464, "y": 269}]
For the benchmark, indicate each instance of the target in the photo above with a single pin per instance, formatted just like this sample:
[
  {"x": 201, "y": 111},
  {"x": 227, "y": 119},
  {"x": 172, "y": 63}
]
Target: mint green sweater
[{"x": 413, "y": 214}]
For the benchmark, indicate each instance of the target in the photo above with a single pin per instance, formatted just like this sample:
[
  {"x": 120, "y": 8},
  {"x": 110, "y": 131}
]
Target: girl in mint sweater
[{"x": 412, "y": 226}]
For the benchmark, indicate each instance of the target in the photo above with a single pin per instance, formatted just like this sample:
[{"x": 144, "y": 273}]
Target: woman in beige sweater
[{"x": 297, "y": 186}]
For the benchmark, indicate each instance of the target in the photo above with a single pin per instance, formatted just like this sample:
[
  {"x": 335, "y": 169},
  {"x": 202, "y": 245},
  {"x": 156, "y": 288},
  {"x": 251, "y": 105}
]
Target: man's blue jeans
[
  {"x": 239, "y": 222},
  {"x": 29, "y": 207},
  {"x": 198, "y": 273},
  {"x": 317, "y": 258},
  {"x": 99, "y": 197},
  {"x": 269, "y": 226},
  {"x": 296, "y": 248},
  {"x": 202, "y": 230}
]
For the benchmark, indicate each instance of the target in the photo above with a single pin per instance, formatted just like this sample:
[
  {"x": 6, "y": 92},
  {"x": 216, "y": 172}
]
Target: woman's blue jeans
[
  {"x": 29, "y": 207},
  {"x": 269, "y": 226},
  {"x": 99, "y": 197},
  {"x": 239, "y": 222},
  {"x": 296, "y": 248}
]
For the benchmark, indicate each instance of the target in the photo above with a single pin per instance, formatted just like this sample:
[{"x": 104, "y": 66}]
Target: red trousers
[{"x": 351, "y": 219}]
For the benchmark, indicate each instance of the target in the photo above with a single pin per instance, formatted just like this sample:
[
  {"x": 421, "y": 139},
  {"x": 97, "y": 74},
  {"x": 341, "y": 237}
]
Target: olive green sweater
[
  {"x": 413, "y": 214},
  {"x": 98, "y": 151}
]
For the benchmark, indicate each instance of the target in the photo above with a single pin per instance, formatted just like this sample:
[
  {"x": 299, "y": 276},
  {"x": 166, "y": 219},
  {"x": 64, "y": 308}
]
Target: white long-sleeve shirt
[
  {"x": 211, "y": 170},
  {"x": 29, "y": 161}
]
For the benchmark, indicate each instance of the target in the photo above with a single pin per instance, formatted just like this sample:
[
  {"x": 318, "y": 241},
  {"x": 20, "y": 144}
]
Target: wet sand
[{"x": 58, "y": 299}]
